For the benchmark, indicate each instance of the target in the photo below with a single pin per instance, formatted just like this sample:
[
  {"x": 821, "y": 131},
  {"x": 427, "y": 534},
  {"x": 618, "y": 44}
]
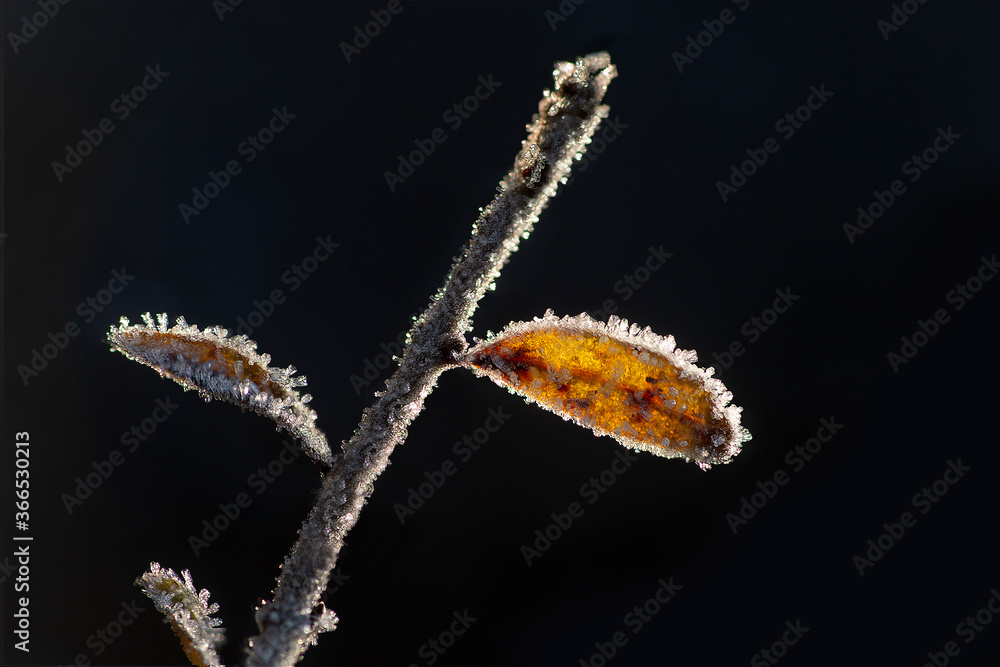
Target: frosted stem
[{"x": 567, "y": 117}]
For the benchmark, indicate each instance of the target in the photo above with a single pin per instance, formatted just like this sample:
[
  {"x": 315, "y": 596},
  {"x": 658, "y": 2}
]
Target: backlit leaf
[
  {"x": 225, "y": 368},
  {"x": 617, "y": 380},
  {"x": 187, "y": 611}
]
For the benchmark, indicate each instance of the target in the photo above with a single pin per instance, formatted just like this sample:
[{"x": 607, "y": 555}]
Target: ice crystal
[
  {"x": 225, "y": 368},
  {"x": 187, "y": 611},
  {"x": 321, "y": 620},
  {"x": 618, "y": 380}
]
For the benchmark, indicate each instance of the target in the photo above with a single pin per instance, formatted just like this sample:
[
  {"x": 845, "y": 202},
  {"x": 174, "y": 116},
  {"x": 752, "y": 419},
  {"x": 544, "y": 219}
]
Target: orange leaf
[
  {"x": 617, "y": 380},
  {"x": 225, "y": 368}
]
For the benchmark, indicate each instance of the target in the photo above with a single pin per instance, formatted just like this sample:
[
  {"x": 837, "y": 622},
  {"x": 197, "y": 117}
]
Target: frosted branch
[{"x": 567, "y": 117}]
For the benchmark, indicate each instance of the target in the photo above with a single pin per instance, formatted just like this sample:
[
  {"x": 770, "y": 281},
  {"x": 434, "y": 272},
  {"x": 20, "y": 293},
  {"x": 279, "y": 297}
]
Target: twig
[{"x": 566, "y": 119}]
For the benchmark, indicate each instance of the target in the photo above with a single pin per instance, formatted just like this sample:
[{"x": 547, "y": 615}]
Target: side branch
[{"x": 567, "y": 117}]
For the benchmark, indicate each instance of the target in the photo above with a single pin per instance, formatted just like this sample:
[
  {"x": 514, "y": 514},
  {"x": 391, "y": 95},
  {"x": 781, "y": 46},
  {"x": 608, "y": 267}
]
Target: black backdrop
[{"x": 654, "y": 185}]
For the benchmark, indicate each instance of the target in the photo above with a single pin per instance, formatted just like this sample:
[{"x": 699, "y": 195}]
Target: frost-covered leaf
[
  {"x": 187, "y": 611},
  {"x": 229, "y": 369},
  {"x": 617, "y": 380}
]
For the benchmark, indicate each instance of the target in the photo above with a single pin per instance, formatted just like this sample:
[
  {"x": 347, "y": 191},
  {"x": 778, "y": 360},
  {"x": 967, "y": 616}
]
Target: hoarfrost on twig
[{"x": 567, "y": 117}]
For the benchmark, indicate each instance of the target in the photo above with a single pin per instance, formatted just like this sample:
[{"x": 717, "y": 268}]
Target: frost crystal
[
  {"x": 566, "y": 119},
  {"x": 228, "y": 369},
  {"x": 619, "y": 380},
  {"x": 187, "y": 611}
]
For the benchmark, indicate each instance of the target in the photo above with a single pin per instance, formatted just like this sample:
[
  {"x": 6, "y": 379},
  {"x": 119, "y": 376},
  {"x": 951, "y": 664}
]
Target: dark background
[{"x": 654, "y": 185}]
